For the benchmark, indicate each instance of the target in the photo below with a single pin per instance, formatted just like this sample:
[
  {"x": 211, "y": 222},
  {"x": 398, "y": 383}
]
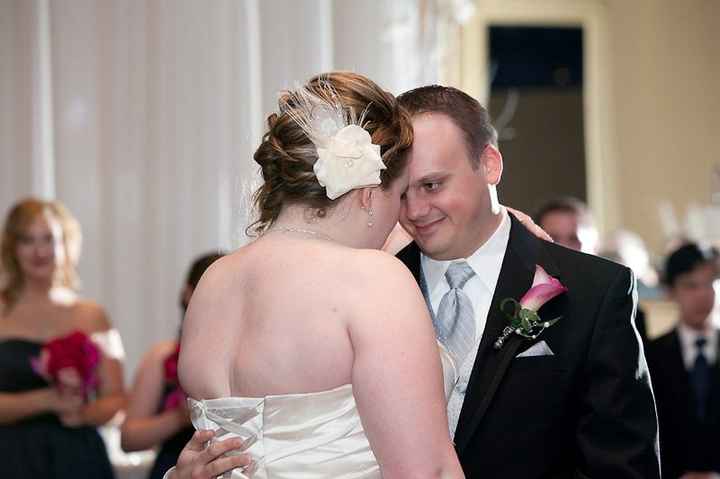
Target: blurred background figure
[
  {"x": 47, "y": 431},
  {"x": 684, "y": 369},
  {"x": 157, "y": 414},
  {"x": 629, "y": 249},
  {"x": 569, "y": 223},
  {"x": 626, "y": 247}
]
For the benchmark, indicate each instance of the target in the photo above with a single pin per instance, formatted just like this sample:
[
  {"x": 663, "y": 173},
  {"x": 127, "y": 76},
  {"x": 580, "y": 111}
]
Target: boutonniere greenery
[{"x": 523, "y": 315}]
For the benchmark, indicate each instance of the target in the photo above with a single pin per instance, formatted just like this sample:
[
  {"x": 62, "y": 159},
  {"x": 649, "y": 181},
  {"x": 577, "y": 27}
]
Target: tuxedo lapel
[
  {"x": 524, "y": 251},
  {"x": 410, "y": 255},
  {"x": 713, "y": 408},
  {"x": 680, "y": 380},
  {"x": 677, "y": 363}
]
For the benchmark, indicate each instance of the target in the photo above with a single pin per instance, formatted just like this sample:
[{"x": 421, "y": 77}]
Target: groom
[{"x": 576, "y": 401}]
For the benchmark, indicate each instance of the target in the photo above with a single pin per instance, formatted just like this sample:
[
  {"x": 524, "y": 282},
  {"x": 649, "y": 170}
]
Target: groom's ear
[{"x": 491, "y": 163}]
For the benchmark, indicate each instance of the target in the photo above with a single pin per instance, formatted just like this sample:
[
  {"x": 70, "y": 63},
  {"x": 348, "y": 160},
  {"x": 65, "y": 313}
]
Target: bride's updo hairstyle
[{"x": 287, "y": 155}]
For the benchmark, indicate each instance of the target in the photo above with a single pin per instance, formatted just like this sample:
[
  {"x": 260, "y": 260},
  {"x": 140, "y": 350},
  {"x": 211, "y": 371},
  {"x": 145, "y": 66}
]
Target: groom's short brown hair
[{"x": 465, "y": 111}]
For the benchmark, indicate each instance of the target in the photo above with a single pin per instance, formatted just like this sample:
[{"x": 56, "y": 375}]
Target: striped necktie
[{"x": 456, "y": 318}]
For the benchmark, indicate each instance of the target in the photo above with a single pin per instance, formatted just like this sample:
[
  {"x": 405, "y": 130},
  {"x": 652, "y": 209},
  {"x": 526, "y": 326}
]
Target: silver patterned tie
[{"x": 456, "y": 318}]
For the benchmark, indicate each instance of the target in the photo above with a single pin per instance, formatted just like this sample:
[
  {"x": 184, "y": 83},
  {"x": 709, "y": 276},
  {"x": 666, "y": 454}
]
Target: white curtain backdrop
[{"x": 142, "y": 116}]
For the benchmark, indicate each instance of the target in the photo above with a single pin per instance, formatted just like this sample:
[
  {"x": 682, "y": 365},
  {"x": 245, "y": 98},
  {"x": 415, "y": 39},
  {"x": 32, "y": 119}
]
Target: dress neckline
[
  {"x": 221, "y": 401},
  {"x": 20, "y": 339},
  {"x": 25, "y": 339}
]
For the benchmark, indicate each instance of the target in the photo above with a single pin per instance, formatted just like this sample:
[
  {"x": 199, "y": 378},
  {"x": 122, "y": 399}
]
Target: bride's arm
[{"x": 397, "y": 376}]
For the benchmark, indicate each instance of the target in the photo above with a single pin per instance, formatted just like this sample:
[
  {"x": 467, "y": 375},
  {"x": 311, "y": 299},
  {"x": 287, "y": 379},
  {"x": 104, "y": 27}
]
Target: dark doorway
[{"x": 536, "y": 101}]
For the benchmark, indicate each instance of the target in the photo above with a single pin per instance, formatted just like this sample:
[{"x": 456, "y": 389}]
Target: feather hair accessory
[{"x": 347, "y": 157}]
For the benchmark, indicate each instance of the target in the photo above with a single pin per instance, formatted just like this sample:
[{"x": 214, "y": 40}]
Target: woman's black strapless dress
[{"x": 40, "y": 447}]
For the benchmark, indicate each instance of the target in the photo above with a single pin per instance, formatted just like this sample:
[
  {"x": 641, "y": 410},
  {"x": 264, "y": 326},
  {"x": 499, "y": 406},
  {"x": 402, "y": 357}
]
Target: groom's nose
[{"x": 416, "y": 206}]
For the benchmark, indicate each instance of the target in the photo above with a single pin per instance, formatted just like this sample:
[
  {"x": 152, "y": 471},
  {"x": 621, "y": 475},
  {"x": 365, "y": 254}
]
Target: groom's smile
[{"x": 427, "y": 228}]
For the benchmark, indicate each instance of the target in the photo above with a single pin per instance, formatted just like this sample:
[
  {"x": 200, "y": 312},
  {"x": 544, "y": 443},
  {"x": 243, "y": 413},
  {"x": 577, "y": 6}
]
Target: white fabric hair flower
[
  {"x": 347, "y": 157},
  {"x": 349, "y": 161}
]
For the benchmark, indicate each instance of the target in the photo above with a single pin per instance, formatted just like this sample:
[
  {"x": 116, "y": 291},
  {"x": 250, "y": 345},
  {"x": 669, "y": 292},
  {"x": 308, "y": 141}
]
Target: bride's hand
[
  {"x": 397, "y": 240},
  {"x": 199, "y": 462},
  {"x": 528, "y": 223}
]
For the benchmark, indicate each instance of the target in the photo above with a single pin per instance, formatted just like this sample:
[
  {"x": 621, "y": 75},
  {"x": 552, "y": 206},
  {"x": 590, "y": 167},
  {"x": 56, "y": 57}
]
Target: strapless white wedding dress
[{"x": 300, "y": 436}]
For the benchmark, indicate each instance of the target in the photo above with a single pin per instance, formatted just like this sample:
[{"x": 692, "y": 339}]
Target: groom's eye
[{"x": 432, "y": 185}]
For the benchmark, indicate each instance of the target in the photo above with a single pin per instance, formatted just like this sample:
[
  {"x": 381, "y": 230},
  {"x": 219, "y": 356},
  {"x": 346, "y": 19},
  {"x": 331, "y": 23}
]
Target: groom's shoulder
[
  {"x": 588, "y": 268},
  {"x": 409, "y": 253}
]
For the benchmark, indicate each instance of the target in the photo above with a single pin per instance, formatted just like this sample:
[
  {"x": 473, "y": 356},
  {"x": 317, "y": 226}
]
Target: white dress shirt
[
  {"x": 689, "y": 349},
  {"x": 486, "y": 261}
]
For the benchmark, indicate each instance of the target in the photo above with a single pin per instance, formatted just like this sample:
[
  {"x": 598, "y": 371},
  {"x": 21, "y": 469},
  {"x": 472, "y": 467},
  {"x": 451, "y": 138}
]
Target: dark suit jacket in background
[
  {"x": 685, "y": 443},
  {"x": 587, "y": 411}
]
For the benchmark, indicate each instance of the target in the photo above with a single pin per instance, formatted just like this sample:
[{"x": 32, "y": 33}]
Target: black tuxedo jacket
[
  {"x": 686, "y": 444},
  {"x": 585, "y": 412}
]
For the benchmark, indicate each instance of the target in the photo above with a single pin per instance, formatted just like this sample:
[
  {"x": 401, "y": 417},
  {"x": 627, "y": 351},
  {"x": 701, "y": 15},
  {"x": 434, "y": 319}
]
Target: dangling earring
[{"x": 370, "y": 214}]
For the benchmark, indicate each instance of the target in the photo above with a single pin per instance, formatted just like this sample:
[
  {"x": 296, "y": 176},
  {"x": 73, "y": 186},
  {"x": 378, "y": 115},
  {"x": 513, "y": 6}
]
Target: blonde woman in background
[{"x": 45, "y": 432}]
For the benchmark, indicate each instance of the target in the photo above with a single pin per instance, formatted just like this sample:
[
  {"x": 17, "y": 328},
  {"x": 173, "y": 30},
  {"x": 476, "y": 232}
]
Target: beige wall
[
  {"x": 665, "y": 62},
  {"x": 652, "y": 98}
]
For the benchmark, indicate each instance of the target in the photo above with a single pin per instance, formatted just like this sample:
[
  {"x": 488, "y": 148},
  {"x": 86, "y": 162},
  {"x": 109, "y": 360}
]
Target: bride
[{"x": 310, "y": 345}]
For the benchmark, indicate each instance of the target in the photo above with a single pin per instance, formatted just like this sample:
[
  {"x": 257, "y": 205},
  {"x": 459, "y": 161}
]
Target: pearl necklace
[{"x": 289, "y": 229}]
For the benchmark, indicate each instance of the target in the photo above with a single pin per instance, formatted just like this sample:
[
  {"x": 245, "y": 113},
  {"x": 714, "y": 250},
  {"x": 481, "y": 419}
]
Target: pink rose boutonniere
[{"x": 523, "y": 315}]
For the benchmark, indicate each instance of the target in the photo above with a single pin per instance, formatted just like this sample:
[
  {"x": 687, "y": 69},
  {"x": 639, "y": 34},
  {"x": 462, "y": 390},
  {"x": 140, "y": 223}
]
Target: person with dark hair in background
[
  {"x": 157, "y": 413},
  {"x": 47, "y": 429},
  {"x": 569, "y": 223},
  {"x": 684, "y": 368}
]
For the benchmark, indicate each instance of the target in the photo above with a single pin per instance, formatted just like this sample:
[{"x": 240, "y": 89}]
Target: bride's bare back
[
  {"x": 293, "y": 315},
  {"x": 287, "y": 313},
  {"x": 274, "y": 318}
]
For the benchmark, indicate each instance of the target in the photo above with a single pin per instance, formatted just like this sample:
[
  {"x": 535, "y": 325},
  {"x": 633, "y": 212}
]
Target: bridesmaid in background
[
  {"x": 45, "y": 431},
  {"x": 157, "y": 414}
]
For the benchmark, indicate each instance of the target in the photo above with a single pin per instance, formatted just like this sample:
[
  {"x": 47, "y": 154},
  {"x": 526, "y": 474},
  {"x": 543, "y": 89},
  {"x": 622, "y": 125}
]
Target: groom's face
[{"x": 447, "y": 206}]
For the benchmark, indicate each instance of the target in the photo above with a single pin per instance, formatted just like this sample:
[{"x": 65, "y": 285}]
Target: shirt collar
[
  {"x": 688, "y": 336},
  {"x": 486, "y": 261}
]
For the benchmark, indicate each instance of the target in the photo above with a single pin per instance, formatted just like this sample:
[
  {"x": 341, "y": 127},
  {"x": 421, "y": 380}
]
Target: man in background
[
  {"x": 569, "y": 223},
  {"x": 684, "y": 368}
]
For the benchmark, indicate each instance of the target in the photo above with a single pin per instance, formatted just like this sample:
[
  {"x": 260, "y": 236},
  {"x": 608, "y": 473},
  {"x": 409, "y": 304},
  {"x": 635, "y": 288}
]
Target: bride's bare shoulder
[
  {"x": 223, "y": 272},
  {"x": 382, "y": 287},
  {"x": 215, "y": 286},
  {"x": 378, "y": 267}
]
